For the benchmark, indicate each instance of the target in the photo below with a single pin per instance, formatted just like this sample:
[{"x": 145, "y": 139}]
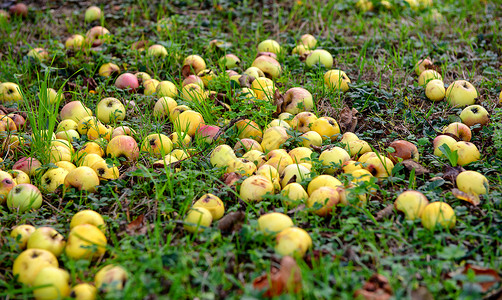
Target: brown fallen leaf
[
  {"x": 287, "y": 279},
  {"x": 231, "y": 222},
  {"x": 376, "y": 288},
  {"x": 473, "y": 199},
  {"x": 451, "y": 173},
  {"x": 486, "y": 285},
  {"x": 231, "y": 178},
  {"x": 348, "y": 119},
  {"x": 245, "y": 80},
  {"x": 410, "y": 164},
  {"x": 137, "y": 226},
  {"x": 421, "y": 293},
  {"x": 386, "y": 212},
  {"x": 278, "y": 102}
]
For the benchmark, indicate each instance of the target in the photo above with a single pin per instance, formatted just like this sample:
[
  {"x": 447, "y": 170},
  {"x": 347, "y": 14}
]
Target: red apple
[{"x": 127, "y": 81}]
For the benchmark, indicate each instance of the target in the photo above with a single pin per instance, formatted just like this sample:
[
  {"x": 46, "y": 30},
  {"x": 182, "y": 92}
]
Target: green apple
[
  {"x": 434, "y": 90},
  {"x": 273, "y": 223},
  {"x": 123, "y": 146},
  {"x": 411, "y": 203},
  {"x": 82, "y": 178},
  {"x": 475, "y": 114},
  {"x": 255, "y": 187},
  {"x": 93, "y": 13},
  {"x": 311, "y": 138},
  {"x": 24, "y": 197},
  {"x": 47, "y": 238},
  {"x": 461, "y": 93},
  {"x": 293, "y": 241},
  {"x": 269, "y": 46},
  {"x": 438, "y": 214},
  {"x": 319, "y": 57},
  {"x": 108, "y": 69},
  {"x": 472, "y": 182},
  {"x": 110, "y": 110},
  {"x": 467, "y": 152},
  {"x": 111, "y": 278},
  {"x": 197, "y": 219},
  {"x": 213, "y": 204},
  {"x": 294, "y": 173},
  {"x": 336, "y": 156},
  {"x": 427, "y": 76},
  {"x": 295, "y": 194},
  {"x": 269, "y": 66},
  {"x": 10, "y": 92},
  {"x": 157, "y": 144},
  {"x": 85, "y": 241},
  {"x": 83, "y": 291},
  {"x": 322, "y": 181},
  {"x": 460, "y": 130},
  {"x": 29, "y": 263},
  {"x": 51, "y": 283},
  {"x": 422, "y": 65},
  {"x": 297, "y": 100},
  {"x": 337, "y": 80},
  {"x": 323, "y": 200},
  {"x": 21, "y": 234},
  {"x": 157, "y": 51},
  {"x": 75, "y": 41}
]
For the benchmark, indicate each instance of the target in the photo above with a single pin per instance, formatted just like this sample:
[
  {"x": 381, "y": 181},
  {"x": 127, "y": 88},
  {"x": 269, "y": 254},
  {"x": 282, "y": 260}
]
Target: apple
[
  {"x": 21, "y": 234},
  {"x": 403, "y": 150},
  {"x": 163, "y": 107},
  {"x": 90, "y": 148},
  {"x": 294, "y": 193},
  {"x": 319, "y": 57},
  {"x": 303, "y": 120},
  {"x": 472, "y": 182},
  {"x": 188, "y": 121},
  {"x": 7, "y": 183},
  {"x": 221, "y": 156},
  {"x": 105, "y": 171},
  {"x": 293, "y": 241},
  {"x": 427, "y": 76},
  {"x": 59, "y": 153},
  {"x": 273, "y": 223},
  {"x": 254, "y": 72},
  {"x": 249, "y": 129},
  {"x": 357, "y": 147},
  {"x": 108, "y": 69},
  {"x": 311, "y": 138},
  {"x": 300, "y": 154},
  {"x": 68, "y": 135},
  {"x": 294, "y": 173},
  {"x": 157, "y": 51},
  {"x": 181, "y": 139},
  {"x": 379, "y": 166},
  {"x": 83, "y": 291},
  {"x": 193, "y": 79},
  {"x": 241, "y": 166},
  {"x": 75, "y": 111},
  {"x": 68, "y": 166},
  {"x": 327, "y": 127},
  {"x": 14, "y": 143},
  {"x": 364, "y": 5},
  {"x": 10, "y": 93},
  {"x": 308, "y": 41},
  {"x": 467, "y": 152},
  {"x": 268, "y": 65},
  {"x": 157, "y": 144},
  {"x": 440, "y": 140},
  {"x": 177, "y": 111},
  {"x": 245, "y": 145},
  {"x": 51, "y": 283},
  {"x": 127, "y": 81},
  {"x": 193, "y": 92},
  {"x": 121, "y": 130},
  {"x": 110, "y": 278},
  {"x": 28, "y": 165},
  {"x": 323, "y": 200},
  {"x": 19, "y": 120},
  {"x": 24, "y": 197},
  {"x": 110, "y": 110},
  {"x": 166, "y": 89},
  {"x": 89, "y": 159},
  {"x": 255, "y": 187},
  {"x": 88, "y": 217},
  {"x": 422, "y": 65},
  {"x": 229, "y": 61},
  {"x": 192, "y": 65},
  {"x": 434, "y": 90},
  {"x": 67, "y": 124},
  {"x": 274, "y": 138},
  {"x": 47, "y": 238},
  {"x": 411, "y": 203},
  {"x": 475, "y": 114},
  {"x": 460, "y": 130},
  {"x": 259, "y": 84},
  {"x": 321, "y": 181},
  {"x": 142, "y": 77},
  {"x": 150, "y": 86},
  {"x": 85, "y": 241},
  {"x": 337, "y": 80},
  {"x": 296, "y": 100},
  {"x": 123, "y": 146},
  {"x": 75, "y": 41},
  {"x": 19, "y": 9},
  {"x": 82, "y": 178},
  {"x": 197, "y": 219},
  {"x": 96, "y": 36},
  {"x": 52, "y": 179},
  {"x": 38, "y": 54},
  {"x": 336, "y": 156},
  {"x": 207, "y": 76},
  {"x": 269, "y": 46},
  {"x": 270, "y": 172},
  {"x": 438, "y": 214},
  {"x": 300, "y": 50},
  {"x": 92, "y": 13},
  {"x": 255, "y": 156},
  {"x": 461, "y": 93},
  {"x": 29, "y": 263},
  {"x": 213, "y": 204}
]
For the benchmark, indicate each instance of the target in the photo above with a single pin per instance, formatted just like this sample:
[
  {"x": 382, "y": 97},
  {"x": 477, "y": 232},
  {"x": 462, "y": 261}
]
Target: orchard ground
[{"x": 144, "y": 209}]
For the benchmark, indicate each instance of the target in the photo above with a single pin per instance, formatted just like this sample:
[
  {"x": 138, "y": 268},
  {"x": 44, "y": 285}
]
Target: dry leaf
[
  {"x": 376, "y": 288},
  {"x": 410, "y": 164},
  {"x": 137, "y": 227},
  {"x": 348, "y": 119},
  {"x": 451, "y": 173},
  {"x": 421, "y": 293},
  {"x": 287, "y": 279},
  {"x": 278, "y": 102},
  {"x": 231, "y": 222},
  {"x": 480, "y": 271},
  {"x": 387, "y": 211},
  {"x": 471, "y": 198}
]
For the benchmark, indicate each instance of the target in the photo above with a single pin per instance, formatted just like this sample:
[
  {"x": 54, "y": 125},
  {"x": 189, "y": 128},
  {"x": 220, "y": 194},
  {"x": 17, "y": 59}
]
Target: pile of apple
[{"x": 38, "y": 265}]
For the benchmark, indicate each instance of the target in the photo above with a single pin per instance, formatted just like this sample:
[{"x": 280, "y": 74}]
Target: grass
[{"x": 377, "y": 50}]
